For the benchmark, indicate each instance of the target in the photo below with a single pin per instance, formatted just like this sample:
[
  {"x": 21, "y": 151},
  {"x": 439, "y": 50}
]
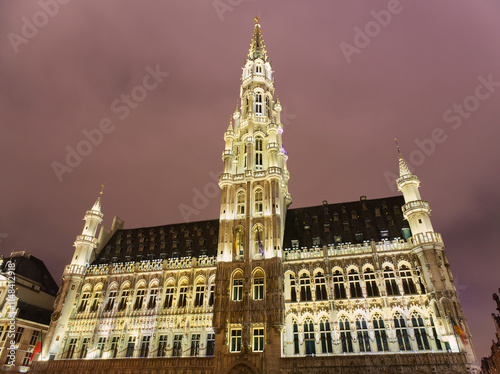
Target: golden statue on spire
[{"x": 257, "y": 19}]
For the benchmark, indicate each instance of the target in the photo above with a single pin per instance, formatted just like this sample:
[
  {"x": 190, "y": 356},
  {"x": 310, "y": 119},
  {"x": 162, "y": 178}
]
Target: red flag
[
  {"x": 458, "y": 330},
  {"x": 38, "y": 347}
]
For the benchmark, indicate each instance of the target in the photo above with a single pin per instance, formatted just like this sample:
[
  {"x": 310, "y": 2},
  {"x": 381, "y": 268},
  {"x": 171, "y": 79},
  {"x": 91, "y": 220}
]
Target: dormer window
[{"x": 258, "y": 69}]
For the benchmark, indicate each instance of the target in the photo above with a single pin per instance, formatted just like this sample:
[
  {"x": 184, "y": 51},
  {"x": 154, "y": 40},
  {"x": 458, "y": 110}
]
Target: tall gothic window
[
  {"x": 354, "y": 284},
  {"x": 145, "y": 346},
  {"x": 240, "y": 204},
  {"x": 169, "y": 297},
  {"x": 421, "y": 282},
  {"x": 162, "y": 346},
  {"x": 212, "y": 296},
  {"x": 309, "y": 340},
  {"x": 293, "y": 291},
  {"x": 123, "y": 300},
  {"x": 83, "y": 302},
  {"x": 319, "y": 280},
  {"x": 258, "y": 339},
  {"x": 177, "y": 347},
  {"x": 258, "y": 104},
  {"x": 390, "y": 282},
  {"x": 152, "y": 298},
  {"x": 258, "y": 285},
  {"x": 305, "y": 288},
  {"x": 182, "y": 296},
  {"x": 72, "y": 347},
  {"x": 114, "y": 347},
  {"x": 345, "y": 335},
  {"x": 258, "y": 201},
  {"x": 295, "y": 338},
  {"x": 420, "y": 333},
  {"x": 111, "y": 301},
  {"x": 338, "y": 285},
  {"x": 407, "y": 280},
  {"x": 139, "y": 299},
  {"x": 401, "y": 332},
  {"x": 236, "y": 340},
  {"x": 325, "y": 336},
  {"x": 210, "y": 344},
  {"x": 268, "y": 107},
  {"x": 439, "y": 346},
  {"x": 371, "y": 283},
  {"x": 195, "y": 344},
  {"x": 363, "y": 338},
  {"x": 258, "y": 153},
  {"x": 199, "y": 293},
  {"x": 238, "y": 286},
  {"x": 380, "y": 333}
]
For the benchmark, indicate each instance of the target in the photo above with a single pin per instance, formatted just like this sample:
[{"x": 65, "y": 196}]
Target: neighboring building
[
  {"x": 491, "y": 364},
  {"x": 25, "y": 315},
  {"x": 357, "y": 287}
]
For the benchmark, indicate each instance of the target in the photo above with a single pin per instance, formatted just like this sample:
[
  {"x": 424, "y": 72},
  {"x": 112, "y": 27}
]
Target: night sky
[{"x": 351, "y": 76}]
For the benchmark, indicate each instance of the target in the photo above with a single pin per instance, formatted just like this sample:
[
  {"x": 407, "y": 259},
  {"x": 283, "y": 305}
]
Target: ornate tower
[
  {"x": 72, "y": 278},
  {"x": 430, "y": 252},
  {"x": 249, "y": 307}
]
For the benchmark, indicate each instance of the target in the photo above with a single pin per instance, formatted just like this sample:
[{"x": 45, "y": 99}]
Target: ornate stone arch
[{"x": 242, "y": 367}]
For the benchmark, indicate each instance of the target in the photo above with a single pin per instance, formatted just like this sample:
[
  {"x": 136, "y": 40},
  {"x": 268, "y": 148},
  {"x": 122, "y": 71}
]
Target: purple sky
[{"x": 341, "y": 113}]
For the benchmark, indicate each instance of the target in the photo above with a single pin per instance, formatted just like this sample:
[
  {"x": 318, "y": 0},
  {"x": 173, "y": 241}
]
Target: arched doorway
[{"x": 241, "y": 369}]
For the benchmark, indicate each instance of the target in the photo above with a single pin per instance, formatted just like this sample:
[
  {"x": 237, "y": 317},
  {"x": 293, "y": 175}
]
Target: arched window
[
  {"x": 380, "y": 333},
  {"x": 345, "y": 335},
  {"x": 401, "y": 332},
  {"x": 319, "y": 280},
  {"x": 293, "y": 291},
  {"x": 258, "y": 201},
  {"x": 182, "y": 294},
  {"x": 239, "y": 241},
  {"x": 240, "y": 204},
  {"x": 309, "y": 337},
  {"x": 258, "y": 153},
  {"x": 258, "y": 240},
  {"x": 354, "y": 284},
  {"x": 237, "y": 286},
  {"x": 153, "y": 295},
  {"x": 420, "y": 333},
  {"x": 371, "y": 283},
  {"x": 258, "y": 69},
  {"x": 258, "y": 285},
  {"x": 258, "y": 104},
  {"x": 363, "y": 338},
  {"x": 169, "y": 295},
  {"x": 325, "y": 335},
  {"x": 111, "y": 299},
  {"x": 295, "y": 338},
  {"x": 305, "y": 288},
  {"x": 95, "y": 300},
  {"x": 407, "y": 280},
  {"x": 84, "y": 301},
  {"x": 139, "y": 298},
  {"x": 199, "y": 293},
  {"x": 338, "y": 285},
  {"x": 124, "y": 298},
  {"x": 390, "y": 282},
  {"x": 439, "y": 346}
]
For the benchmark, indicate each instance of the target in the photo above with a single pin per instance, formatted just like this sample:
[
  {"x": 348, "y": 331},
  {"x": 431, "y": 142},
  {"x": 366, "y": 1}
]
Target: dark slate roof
[
  {"x": 353, "y": 222},
  {"x": 325, "y": 224},
  {"x": 33, "y": 313},
  {"x": 32, "y": 268}
]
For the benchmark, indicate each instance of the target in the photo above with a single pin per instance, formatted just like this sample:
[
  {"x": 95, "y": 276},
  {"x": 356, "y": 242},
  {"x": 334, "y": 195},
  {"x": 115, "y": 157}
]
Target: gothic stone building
[
  {"x": 357, "y": 287},
  {"x": 491, "y": 364}
]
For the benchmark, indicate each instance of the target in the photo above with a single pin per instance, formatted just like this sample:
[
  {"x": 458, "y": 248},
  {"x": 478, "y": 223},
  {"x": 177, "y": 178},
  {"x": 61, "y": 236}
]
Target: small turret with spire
[{"x": 87, "y": 242}]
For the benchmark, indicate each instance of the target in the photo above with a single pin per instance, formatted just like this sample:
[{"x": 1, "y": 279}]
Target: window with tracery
[
  {"x": 407, "y": 280},
  {"x": 363, "y": 338},
  {"x": 354, "y": 284},
  {"x": 309, "y": 340},
  {"x": 305, "y": 288},
  {"x": 325, "y": 336},
  {"x": 420, "y": 334},
  {"x": 380, "y": 333},
  {"x": 345, "y": 335},
  {"x": 371, "y": 283},
  {"x": 401, "y": 332},
  {"x": 338, "y": 285},
  {"x": 319, "y": 281},
  {"x": 390, "y": 282}
]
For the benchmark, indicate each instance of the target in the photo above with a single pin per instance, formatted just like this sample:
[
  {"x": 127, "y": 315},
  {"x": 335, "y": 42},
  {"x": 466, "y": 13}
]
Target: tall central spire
[{"x": 257, "y": 47}]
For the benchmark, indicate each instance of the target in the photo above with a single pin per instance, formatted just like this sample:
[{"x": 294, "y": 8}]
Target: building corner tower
[
  {"x": 72, "y": 278},
  {"x": 428, "y": 246},
  {"x": 249, "y": 307}
]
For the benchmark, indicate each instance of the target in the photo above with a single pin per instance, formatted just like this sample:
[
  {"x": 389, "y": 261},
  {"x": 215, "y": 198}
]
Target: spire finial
[
  {"x": 102, "y": 189},
  {"x": 257, "y": 19},
  {"x": 236, "y": 105},
  {"x": 397, "y": 147}
]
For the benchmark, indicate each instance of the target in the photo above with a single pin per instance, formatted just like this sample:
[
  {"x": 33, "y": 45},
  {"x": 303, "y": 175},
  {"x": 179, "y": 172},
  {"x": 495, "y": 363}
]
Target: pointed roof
[
  {"x": 257, "y": 47},
  {"x": 404, "y": 170},
  {"x": 97, "y": 204}
]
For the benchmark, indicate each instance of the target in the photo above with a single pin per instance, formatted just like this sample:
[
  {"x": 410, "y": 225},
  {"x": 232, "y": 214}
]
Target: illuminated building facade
[{"x": 353, "y": 287}]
